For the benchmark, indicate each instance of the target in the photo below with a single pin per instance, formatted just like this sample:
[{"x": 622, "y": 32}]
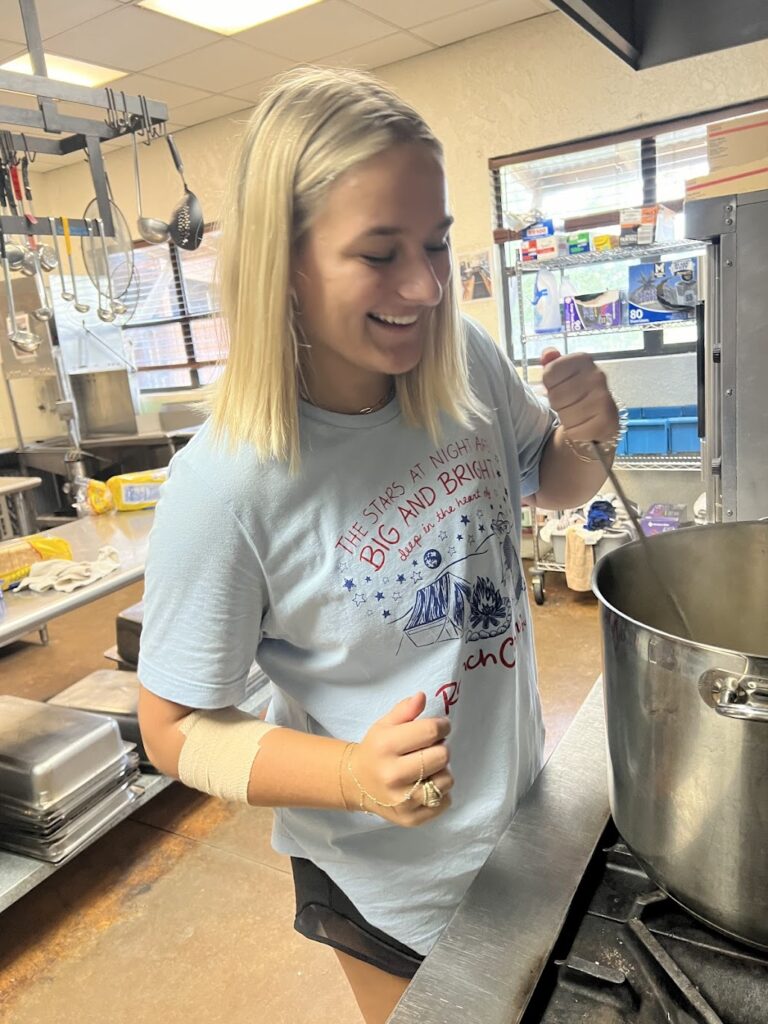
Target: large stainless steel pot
[{"x": 687, "y": 721}]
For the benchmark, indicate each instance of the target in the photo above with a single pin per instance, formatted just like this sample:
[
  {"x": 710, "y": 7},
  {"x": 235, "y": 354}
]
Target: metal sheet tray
[
  {"x": 47, "y": 752},
  {"x": 66, "y": 843}
]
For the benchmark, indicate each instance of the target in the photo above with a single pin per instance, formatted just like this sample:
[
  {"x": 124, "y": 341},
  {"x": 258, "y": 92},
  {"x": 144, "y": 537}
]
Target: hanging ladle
[
  {"x": 151, "y": 229},
  {"x": 66, "y": 295},
  {"x": 24, "y": 340},
  {"x": 81, "y": 307}
]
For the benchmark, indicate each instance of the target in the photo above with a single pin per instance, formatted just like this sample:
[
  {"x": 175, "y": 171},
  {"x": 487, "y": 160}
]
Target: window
[
  {"x": 175, "y": 334},
  {"x": 585, "y": 188}
]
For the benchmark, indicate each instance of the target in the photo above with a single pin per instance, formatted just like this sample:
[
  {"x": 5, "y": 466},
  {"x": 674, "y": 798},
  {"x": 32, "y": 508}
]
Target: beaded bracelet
[
  {"x": 581, "y": 449},
  {"x": 364, "y": 793}
]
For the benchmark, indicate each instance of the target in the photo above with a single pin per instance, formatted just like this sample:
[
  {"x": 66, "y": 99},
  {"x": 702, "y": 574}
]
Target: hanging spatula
[{"x": 186, "y": 222}]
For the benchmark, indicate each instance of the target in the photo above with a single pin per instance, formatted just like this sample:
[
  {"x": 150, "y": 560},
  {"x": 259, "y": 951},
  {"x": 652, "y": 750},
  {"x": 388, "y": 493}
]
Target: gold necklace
[{"x": 380, "y": 404}]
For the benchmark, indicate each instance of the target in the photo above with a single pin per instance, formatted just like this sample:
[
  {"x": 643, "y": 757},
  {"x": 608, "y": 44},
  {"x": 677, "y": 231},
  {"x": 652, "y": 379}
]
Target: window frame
[
  {"x": 653, "y": 340},
  {"x": 184, "y": 319}
]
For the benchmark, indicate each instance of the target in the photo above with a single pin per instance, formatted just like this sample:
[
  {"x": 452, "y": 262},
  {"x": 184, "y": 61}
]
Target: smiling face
[{"x": 373, "y": 264}]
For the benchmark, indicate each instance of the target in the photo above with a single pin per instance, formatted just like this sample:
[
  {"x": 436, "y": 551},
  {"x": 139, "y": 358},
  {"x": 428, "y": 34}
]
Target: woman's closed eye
[{"x": 390, "y": 256}]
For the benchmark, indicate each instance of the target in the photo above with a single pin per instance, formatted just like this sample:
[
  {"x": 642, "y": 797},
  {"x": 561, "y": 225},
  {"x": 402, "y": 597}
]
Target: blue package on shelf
[
  {"x": 647, "y": 437},
  {"x": 683, "y": 434}
]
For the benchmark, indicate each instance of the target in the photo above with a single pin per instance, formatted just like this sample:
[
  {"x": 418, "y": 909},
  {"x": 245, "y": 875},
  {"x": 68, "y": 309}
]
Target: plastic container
[
  {"x": 546, "y": 303},
  {"x": 647, "y": 437},
  {"x": 684, "y": 434}
]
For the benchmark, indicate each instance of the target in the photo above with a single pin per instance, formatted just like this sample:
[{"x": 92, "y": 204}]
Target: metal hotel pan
[{"x": 48, "y": 753}]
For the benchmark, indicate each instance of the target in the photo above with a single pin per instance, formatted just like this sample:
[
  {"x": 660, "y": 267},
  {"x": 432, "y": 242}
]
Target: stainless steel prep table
[
  {"x": 16, "y": 490},
  {"x": 488, "y": 960},
  {"x": 127, "y": 532}
]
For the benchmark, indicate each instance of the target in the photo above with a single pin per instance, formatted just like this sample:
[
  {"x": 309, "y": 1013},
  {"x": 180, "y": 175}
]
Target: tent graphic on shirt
[{"x": 440, "y": 611}]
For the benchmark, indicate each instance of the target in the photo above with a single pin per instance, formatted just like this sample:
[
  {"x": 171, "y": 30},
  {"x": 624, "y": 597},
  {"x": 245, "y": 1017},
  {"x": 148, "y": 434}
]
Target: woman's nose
[{"x": 419, "y": 283}]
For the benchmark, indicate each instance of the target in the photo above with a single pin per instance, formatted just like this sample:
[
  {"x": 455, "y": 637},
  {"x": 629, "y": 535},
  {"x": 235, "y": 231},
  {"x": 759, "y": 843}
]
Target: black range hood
[{"x": 646, "y": 33}]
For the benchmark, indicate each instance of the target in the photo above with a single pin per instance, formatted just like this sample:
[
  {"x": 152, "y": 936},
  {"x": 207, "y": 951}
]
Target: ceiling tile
[
  {"x": 406, "y": 13},
  {"x": 251, "y": 92},
  {"x": 316, "y": 31},
  {"x": 388, "y": 50},
  {"x": 170, "y": 93},
  {"x": 53, "y": 16},
  {"x": 9, "y": 49},
  {"x": 477, "y": 20},
  {"x": 207, "y": 109},
  {"x": 220, "y": 67},
  {"x": 131, "y": 39}
]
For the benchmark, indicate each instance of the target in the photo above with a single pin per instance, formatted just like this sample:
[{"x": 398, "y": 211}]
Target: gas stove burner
[{"x": 629, "y": 954}]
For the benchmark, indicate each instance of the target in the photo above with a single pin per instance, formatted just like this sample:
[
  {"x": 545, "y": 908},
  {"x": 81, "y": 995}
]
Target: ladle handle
[{"x": 176, "y": 158}]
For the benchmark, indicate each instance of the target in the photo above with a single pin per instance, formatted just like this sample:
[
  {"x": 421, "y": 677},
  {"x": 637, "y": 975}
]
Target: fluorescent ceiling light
[
  {"x": 225, "y": 16},
  {"x": 64, "y": 69}
]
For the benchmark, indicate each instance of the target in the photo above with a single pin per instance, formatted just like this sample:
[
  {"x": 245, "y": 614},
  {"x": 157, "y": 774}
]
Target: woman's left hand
[{"x": 578, "y": 392}]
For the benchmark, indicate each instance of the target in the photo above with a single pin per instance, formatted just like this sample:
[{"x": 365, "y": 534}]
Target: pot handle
[{"x": 737, "y": 696}]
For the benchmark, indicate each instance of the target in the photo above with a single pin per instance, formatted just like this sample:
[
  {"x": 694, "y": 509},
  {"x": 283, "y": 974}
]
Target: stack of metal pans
[
  {"x": 108, "y": 691},
  {"x": 65, "y": 777}
]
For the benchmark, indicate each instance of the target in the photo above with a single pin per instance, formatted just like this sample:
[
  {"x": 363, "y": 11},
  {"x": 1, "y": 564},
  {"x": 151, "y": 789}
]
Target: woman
[{"x": 350, "y": 516}]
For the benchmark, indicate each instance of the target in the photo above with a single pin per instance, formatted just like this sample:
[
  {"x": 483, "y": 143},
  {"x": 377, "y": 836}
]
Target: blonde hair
[{"x": 314, "y": 124}]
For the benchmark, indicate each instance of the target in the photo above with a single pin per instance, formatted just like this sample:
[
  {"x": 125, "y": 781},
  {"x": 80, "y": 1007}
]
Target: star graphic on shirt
[
  {"x": 443, "y": 536},
  {"x": 414, "y": 562},
  {"x": 368, "y": 578},
  {"x": 385, "y": 580},
  {"x": 386, "y": 614},
  {"x": 481, "y": 528},
  {"x": 498, "y": 473},
  {"x": 400, "y": 578},
  {"x": 470, "y": 539},
  {"x": 345, "y": 567},
  {"x": 396, "y": 596},
  {"x": 459, "y": 536},
  {"x": 465, "y": 520},
  {"x": 359, "y": 599},
  {"x": 349, "y": 584},
  {"x": 369, "y": 612},
  {"x": 416, "y": 576},
  {"x": 451, "y": 551},
  {"x": 379, "y": 596}
]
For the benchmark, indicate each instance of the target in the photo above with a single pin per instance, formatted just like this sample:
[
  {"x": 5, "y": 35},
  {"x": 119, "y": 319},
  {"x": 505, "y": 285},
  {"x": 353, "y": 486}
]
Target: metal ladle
[
  {"x": 24, "y": 340},
  {"x": 81, "y": 307},
  {"x": 151, "y": 229},
  {"x": 684, "y": 628},
  {"x": 105, "y": 314}
]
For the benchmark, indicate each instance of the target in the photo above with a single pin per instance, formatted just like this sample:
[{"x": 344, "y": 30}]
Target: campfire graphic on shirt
[{"x": 452, "y": 608}]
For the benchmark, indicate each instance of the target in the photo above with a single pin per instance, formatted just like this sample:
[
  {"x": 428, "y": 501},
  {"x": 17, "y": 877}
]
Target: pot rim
[{"x": 605, "y": 603}]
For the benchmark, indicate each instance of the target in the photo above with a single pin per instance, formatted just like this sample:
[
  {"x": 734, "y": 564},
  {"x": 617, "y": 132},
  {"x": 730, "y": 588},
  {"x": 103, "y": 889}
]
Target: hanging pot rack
[{"x": 131, "y": 114}]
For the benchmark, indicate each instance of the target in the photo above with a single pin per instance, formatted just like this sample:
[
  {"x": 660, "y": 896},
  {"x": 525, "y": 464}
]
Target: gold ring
[{"x": 431, "y": 794}]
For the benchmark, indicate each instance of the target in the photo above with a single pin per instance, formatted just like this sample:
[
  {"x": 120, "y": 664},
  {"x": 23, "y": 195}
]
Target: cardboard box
[
  {"x": 539, "y": 229},
  {"x": 643, "y": 225},
  {"x": 578, "y": 242},
  {"x": 739, "y": 140},
  {"x": 661, "y": 518},
  {"x": 729, "y": 182},
  {"x": 655, "y": 289},
  {"x": 547, "y": 248}
]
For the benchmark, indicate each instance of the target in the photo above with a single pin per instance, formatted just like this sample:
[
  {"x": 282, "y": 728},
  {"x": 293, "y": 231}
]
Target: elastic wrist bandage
[{"x": 219, "y": 751}]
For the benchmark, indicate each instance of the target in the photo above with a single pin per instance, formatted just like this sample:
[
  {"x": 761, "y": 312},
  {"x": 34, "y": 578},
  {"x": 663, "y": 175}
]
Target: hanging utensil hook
[{"x": 31, "y": 157}]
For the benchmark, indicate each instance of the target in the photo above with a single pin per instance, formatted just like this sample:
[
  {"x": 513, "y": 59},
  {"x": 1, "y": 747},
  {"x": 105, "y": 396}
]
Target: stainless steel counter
[
  {"x": 127, "y": 532},
  {"x": 488, "y": 960}
]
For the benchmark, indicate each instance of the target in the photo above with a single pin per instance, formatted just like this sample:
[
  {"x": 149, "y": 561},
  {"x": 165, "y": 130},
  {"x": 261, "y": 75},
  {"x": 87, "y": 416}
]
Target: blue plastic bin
[
  {"x": 647, "y": 437},
  {"x": 661, "y": 412},
  {"x": 683, "y": 434}
]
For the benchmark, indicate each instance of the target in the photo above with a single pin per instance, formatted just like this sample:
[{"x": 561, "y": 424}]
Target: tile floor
[{"x": 183, "y": 912}]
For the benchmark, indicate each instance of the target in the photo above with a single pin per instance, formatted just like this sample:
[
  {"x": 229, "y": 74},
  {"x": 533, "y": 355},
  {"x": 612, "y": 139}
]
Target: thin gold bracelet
[
  {"x": 341, "y": 784},
  {"x": 364, "y": 792},
  {"x": 584, "y": 450}
]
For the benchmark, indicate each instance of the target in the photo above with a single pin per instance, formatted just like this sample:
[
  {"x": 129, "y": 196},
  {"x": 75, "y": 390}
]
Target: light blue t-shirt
[{"x": 389, "y": 565}]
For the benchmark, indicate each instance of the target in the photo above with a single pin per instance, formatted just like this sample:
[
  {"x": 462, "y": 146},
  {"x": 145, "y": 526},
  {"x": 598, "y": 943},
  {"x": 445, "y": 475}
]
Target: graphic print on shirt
[{"x": 436, "y": 561}]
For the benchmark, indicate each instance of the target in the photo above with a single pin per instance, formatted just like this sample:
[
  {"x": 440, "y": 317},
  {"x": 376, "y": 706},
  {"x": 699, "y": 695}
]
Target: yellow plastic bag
[
  {"x": 17, "y": 556},
  {"x": 134, "y": 491}
]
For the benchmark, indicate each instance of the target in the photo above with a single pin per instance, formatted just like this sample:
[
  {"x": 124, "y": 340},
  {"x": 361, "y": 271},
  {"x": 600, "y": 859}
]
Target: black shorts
[{"x": 325, "y": 914}]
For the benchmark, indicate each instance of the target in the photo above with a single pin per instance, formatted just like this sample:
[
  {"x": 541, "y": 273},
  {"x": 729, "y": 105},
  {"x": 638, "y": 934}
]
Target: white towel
[{"x": 65, "y": 576}]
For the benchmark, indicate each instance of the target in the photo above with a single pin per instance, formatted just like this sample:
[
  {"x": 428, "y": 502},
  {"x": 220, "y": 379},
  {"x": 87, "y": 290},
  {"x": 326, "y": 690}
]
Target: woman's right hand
[{"x": 388, "y": 761}]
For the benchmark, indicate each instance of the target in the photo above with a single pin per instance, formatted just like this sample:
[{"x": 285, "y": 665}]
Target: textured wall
[{"x": 531, "y": 84}]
